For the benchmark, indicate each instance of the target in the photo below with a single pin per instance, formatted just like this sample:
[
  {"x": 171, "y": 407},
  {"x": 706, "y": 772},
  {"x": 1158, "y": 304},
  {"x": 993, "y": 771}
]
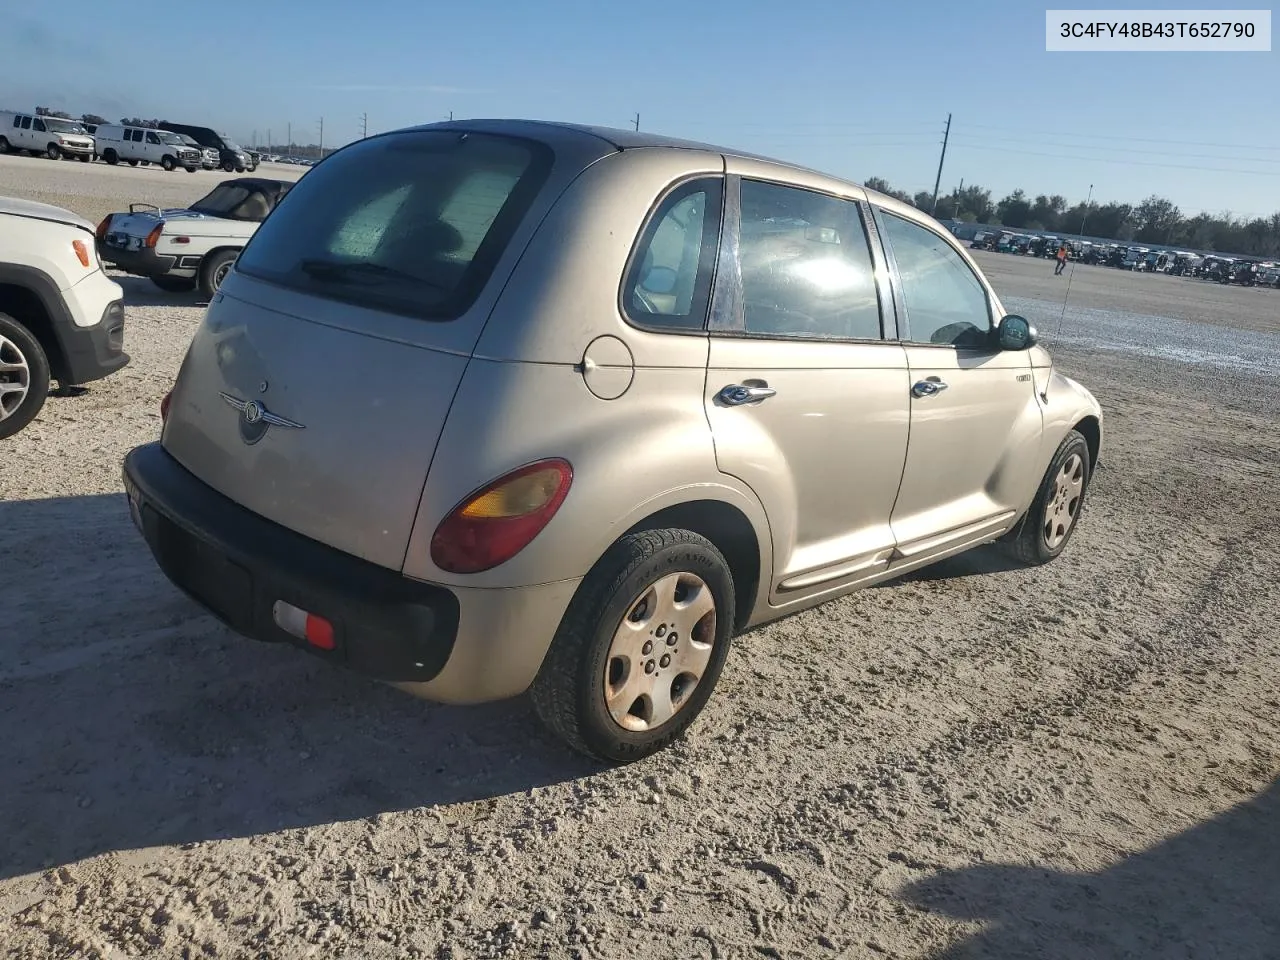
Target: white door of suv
[{"x": 808, "y": 401}]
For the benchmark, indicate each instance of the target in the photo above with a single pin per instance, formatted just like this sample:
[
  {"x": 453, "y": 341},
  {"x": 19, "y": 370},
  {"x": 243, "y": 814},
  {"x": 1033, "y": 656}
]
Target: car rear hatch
[{"x": 315, "y": 389}]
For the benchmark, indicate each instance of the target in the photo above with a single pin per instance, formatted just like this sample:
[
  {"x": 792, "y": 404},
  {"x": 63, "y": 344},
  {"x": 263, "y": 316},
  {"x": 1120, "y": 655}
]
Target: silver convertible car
[{"x": 489, "y": 407}]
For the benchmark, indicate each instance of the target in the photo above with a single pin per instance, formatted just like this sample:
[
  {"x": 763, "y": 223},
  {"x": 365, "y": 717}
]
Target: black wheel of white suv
[
  {"x": 24, "y": 376},
  {"x": 640, "y": 648},
  {"x": 53, "y": 152},
  {"x": 4, "y": 145},
  {"x": 167, "y": 162}
]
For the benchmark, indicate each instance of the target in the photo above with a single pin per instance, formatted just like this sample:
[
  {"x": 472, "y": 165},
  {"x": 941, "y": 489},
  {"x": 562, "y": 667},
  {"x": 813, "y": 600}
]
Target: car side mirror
[{"x": 1016, "y": 333}]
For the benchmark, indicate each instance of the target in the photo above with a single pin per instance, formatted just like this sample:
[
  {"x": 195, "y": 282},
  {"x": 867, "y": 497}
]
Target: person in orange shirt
[{"x": 1062, "y": 259}]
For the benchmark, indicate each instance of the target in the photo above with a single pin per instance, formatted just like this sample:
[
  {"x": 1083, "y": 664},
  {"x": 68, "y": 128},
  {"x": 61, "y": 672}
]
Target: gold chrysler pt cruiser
[{"x": 495, "y": 406}]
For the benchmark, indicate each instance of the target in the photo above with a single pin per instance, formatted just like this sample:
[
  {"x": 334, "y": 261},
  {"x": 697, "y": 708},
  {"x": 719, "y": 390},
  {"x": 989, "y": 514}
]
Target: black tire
[
  {"x": 85, "y": 158},
  {"x": 4, "y": 145},
  {"x": 167, "y": 162},
  {"x": 111, "y": 156},
  {"x": 213, "y": 269},
  {"x": 53, "y": 152},
  {"x": 133, "y": 163},
  {"x": 229, "y": 167},
  {"x": 15, "y": 337},
  {"x": 174, "y": 284},
  {"x": 569, "y": 691},
  {"x": 191, "y": 169},
  {"x": 1030, "y": 541}
]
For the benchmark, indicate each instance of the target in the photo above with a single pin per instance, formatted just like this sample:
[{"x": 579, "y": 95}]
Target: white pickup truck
[{"x": 189, "y": 248}]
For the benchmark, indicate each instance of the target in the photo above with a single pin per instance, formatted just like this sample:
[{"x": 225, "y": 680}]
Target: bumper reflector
[{"x": 317, "y": 631}]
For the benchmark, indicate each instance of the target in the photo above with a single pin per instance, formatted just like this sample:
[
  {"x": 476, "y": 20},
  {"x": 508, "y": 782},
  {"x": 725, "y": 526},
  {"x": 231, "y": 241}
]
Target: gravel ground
[{"x": 977, "y": 761}]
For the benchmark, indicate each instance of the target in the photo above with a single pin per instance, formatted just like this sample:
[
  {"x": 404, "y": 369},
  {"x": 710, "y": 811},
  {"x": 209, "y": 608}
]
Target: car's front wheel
[
  {"x": 53, "y": 152},
  {"x": 24, "y": 376},
  {"x": 1046, "y": 527},
  {"x": 641, "y": 646}
]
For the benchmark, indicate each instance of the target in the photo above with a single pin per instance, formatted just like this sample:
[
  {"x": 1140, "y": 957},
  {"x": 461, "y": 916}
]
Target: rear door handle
[
  {"x": 928, "y": 387},
  {"x": 736, "y": 394}
]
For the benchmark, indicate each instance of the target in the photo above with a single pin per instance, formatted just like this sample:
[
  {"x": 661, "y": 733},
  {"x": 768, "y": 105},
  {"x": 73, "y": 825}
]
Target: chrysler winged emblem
[{"x": 255, "y": 418}]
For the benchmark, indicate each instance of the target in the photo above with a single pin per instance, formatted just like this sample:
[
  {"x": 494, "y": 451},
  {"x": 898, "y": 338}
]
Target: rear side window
[
  {"x": 668, "y": 285},
  {"x": 412, "y": 223}
]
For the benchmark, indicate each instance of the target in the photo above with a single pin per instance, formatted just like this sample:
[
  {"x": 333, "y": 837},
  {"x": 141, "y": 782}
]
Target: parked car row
[
  {"x": 1135, "y": 257},
  {"x": 171, "y": 145}
]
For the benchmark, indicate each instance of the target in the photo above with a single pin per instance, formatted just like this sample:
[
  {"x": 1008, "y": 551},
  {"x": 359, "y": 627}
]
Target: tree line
[{"x": 1156, "y": 220}]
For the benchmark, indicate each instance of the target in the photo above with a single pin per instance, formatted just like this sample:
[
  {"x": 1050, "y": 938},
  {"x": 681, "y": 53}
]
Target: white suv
[{"x": 61, "y": 317}]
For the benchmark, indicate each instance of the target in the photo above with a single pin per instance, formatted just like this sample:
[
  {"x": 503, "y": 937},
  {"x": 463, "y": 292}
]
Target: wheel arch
[
  {"x": 732, "y": 533},
  {"x": 32, "y": 298},
  {"x": 1091, "y": 429}
]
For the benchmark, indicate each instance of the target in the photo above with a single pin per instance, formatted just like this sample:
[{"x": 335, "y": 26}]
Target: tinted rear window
[{"x": 409, "y": 222}]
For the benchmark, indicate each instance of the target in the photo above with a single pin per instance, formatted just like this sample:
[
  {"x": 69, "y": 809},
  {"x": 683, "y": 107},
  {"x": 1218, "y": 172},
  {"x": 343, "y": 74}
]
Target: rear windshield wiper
[{"x": 340, "y": 270}]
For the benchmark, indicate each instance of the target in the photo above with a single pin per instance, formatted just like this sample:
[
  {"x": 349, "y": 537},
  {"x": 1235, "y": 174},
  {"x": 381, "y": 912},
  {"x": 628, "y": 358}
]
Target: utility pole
[
  {"x": 270, "y": 142},
  {"x": 364, "y": 125},
  {"x": 450, "y": 116},
  {"x": 290, "y": 138},
  {"x": 320, "y": 155},
  {"x": 637, "y": 122},
  {"x": 936, "y": 183}
]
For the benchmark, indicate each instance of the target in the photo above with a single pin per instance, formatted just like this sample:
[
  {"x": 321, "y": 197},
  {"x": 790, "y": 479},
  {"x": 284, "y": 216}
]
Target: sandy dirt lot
[{"x": 1081, "y": 761}]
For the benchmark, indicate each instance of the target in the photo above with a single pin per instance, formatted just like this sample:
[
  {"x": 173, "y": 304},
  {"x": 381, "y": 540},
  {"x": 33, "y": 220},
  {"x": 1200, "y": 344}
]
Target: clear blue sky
[{"x": 858, "y": 91}]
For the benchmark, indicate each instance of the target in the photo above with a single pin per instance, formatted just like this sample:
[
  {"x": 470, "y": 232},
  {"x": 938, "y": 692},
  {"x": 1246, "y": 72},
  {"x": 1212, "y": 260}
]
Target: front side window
[
  {"x": 152, "y": 138},
  {"x": 39, "y": 125},
  {"x": 806, "y": 265},
  {"x": 946, "y": 304},
  {"x": 668, "y": 285},
  {"x": 412, "y": 223}
]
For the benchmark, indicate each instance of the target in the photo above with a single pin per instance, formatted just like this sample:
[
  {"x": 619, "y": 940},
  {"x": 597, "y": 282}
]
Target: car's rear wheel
[
  {"x": 111, "y": 157},
  {"x": 174, "y": 284},
  {"x": 214, "y": 269},
  {"x": 24, "y": 376},
  {"x": 1045, "y": 529},
  {"x": 640, "y": 648}
]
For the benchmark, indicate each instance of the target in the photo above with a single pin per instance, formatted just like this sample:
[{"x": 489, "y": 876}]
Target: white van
[
  {"x": 136, "y": 145},
  {"x": 54, "y": 137}
]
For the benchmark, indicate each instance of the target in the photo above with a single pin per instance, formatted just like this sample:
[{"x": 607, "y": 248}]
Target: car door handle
[
  {"x": 929, "y": 387},
  {"x": 736, "y": 394}
]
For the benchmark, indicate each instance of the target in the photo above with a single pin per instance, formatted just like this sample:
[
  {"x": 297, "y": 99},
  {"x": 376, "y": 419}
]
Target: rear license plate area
[{"x": 206, "y": 573}]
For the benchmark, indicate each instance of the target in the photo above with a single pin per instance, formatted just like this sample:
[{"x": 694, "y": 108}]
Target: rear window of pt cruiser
[{"x": 412, "y": 223}]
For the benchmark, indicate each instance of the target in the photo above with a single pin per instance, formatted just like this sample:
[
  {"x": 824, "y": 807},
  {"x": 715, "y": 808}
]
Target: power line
[
  {"x": 1131, "y": 163},
  {"x": 1104, "y": 136},
  {"x": 1085, "y": 146}
]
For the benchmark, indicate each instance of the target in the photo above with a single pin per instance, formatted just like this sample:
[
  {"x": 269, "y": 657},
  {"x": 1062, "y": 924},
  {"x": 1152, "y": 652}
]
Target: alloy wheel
[
  {"x": 660, "y": 651},
  {"x": 1064, "y": 507}
]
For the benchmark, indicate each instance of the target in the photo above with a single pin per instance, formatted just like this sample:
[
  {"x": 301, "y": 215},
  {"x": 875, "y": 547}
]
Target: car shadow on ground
[
  {"x": 141, "y": 292},
  {"x": 977, "y": 562},
  {"x": 131, "y": 718},
  {"x": 1210, "y": 891}
]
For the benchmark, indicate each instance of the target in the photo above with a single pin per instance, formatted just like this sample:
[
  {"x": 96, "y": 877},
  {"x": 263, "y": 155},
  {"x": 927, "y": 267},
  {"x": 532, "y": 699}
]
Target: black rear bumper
[
  {"x": 141, "y": 263},
  {"x": 237, "y": 565}
]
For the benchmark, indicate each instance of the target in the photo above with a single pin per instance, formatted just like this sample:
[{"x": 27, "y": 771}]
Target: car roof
[{"x": 618, "y": 139}]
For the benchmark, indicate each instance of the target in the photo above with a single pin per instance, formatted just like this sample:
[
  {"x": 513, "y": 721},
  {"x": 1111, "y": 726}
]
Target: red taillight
[
  {"x": 164, "y": 406},
  {"x": 101, "y": 232},
  {"x": 154, "y": 236},
  {"x": 496, "y": 522}
]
